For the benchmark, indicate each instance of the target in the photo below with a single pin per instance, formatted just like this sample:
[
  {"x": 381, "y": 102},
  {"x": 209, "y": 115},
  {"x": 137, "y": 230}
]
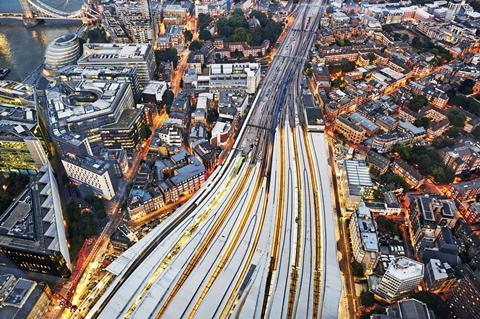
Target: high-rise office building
[
  {"x": 364, "y": 238},
  {"x": 20, "y": 150},
  {"x": 139, "y": 56},
  {"x": 464, "y": 299},
  {"x": 22, "y": 298},
  {"x": 62, "y": 51},
  {"x": 32, "y": 232},
  {"x": 94, "y": 173},
  {"x": 403, "y": 275}
]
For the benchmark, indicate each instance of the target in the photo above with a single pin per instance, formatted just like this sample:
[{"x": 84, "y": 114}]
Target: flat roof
[{"x": 404, "y": 268}]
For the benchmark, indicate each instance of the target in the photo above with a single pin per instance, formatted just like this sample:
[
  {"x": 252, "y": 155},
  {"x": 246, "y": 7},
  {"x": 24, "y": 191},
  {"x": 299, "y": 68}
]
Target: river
[{"x": 22, "y": 49}]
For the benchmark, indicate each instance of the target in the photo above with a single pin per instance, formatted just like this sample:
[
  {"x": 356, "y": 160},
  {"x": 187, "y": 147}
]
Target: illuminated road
[{"x": 258, "y": 239}]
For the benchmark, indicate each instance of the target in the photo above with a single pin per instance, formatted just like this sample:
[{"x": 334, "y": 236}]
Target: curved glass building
[{"x": 60, "y": 52}]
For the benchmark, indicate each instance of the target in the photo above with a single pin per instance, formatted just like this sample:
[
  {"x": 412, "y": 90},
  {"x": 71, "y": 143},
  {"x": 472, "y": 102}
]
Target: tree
[
  {"x": 203, "y": 21},
  {"x": 97, "y": 35},
  {"x": 145, "y": 131},
  {"x": 393, "y": 181},
  {"x": 309, "y": 72},
  {"x": 236, "y": 54},
  {"x": 357, "y": 269},
  {"x": 469, "y": 104},
  {"x": 187, "y": 35},
  {"x": 212, "y": 115},
  {"x": 403, "y": 151},
  {"x": 261, "y": 17},
  {"x": 272, "y": 31},
  {"x": 428, "y": 160},
  {"x": 338, "y": 83},
  {"x": 257, "y": 36},
  {"x": 453, "y": 132},
  {"x": 97, "y": 205},
  {"x": 205, "y": 35},
  {"x": 344, "y": 66},
  {"x": 343, "y": 43},
  {"x": 223, "y": 27},
  {"x": 371, "y": 57},
  {"x": 422, "y": 122},
  {"x": 387, "y": 226},
  {"x": 167, "y": 98},
  {"x": 330, "y": 9},
  {"x": 11, "y": 186},
  {"x": 417, "y": 102},
  {"x": 457, "y": 118},
  {"x": 242, "y": 35},
  {"x": 476, "y": 133},
  {"x": 442, "y": 142},
  {"x": 367, "y": 299},
  {"x": 167, "y": 55},
  {"x": 195, "y": 45},
  {"x": 466, "y": 87}
]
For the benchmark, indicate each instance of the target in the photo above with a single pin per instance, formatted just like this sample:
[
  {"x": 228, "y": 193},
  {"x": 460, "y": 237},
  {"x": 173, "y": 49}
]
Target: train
[{"x": 279, "y": 102}]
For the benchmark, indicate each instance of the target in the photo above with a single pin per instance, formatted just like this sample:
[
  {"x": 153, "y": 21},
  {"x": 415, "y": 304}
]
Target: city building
[
  {"x": 439, "y": 277},
  {"x": 244, "y": 77},
  {"x": 462, "y": 158},
  {"x": 172, "y": 38},
  {"x": 446, "y": 249},
  {"x": 392, "y": 206},
  {"x": 465, "y": 191},
  {"x": 220, "y": 133},
  {"x": 32, "y": 232},
  {"x": 230, "y": 99},
  {"x": 349, "y": 129},
  {"x": 207, "y": 154},
  {"x": 127, "y": 131},
  {"x": 153, "y": 92},
  {"x": 175, "y": 14},
  {"x": 356, "y": 183},
  {"x": 85, "y": 106},
  {"x": 464, "y": 299},
  {"x": 188, "y": 175},
  {"x": 403, "y": 275},
  {"x": 118, "y": 158},
  {"x": 378, "y": 163},
  {"x": 139, "y": 56},
  {"x": 135, "y": 17},
  {"x": 20, "y": 150},
  {"x": 170, "y": 135},
  {"x": 427, "y": 214},
  {"x": 76, "y": 73},
  {"x": 472, "y": 213},
  {"x": 412, "y": 176},
  {"x": 407, "y": 309},
  {"x": 62, "y": 51},
  {"x": 14, "y": 94},
  {"x": 92, "y": 172},
  {"x": 22, "y": 298},
  {"x": 122, "y": 238},
  {"x": 363, "y": 237}
]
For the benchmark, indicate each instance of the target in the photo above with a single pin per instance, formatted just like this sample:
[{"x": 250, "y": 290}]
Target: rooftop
[
  {"x": 31, "y": 223},
  {"x": 97, "y": 52},
  {"x": 404, "y": 268},
  {"x": 358, "y": 175},
  {"x": 367, "y": 229}
]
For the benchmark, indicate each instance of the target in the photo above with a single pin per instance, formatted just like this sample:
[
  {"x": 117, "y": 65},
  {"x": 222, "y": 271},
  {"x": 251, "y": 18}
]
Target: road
[{"x": 257, "y": 241}]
